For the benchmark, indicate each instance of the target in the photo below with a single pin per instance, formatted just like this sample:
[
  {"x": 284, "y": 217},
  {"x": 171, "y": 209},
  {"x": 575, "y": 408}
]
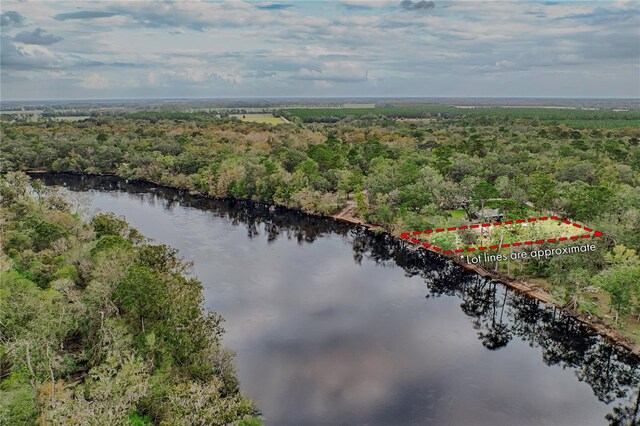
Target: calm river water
[{"x": 334, "y": 325}]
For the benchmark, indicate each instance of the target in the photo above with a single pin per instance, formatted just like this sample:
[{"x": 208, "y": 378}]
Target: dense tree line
[
  {"x": 580, "y": 117},
  {"x": 400, "y": 174},
  {"x": 99, "y": 326}
]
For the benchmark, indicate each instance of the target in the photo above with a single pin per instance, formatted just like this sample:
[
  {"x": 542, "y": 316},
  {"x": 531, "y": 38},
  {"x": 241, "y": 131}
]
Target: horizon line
[{"x": 630, "y": 98}]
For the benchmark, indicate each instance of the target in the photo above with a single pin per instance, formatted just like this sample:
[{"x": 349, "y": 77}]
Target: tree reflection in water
[{"x": 496, "y": 312}]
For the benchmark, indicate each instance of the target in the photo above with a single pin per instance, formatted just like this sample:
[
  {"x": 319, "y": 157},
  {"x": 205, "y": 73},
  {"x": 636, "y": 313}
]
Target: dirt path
[{"x": 347, "y": 214}]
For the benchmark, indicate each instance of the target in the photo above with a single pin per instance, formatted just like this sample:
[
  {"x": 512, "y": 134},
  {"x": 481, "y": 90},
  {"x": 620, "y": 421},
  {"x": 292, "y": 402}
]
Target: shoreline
[
  {"x": 519, "y": 285},
  {"x": 524, "y": 287}
]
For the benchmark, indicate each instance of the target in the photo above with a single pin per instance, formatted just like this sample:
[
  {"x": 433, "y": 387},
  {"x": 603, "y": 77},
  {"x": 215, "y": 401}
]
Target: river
[{"x": 333, "y": 324}]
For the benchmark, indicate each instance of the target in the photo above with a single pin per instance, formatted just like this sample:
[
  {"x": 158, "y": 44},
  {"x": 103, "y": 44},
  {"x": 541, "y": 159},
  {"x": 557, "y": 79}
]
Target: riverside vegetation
[
  {"x": 401, "y": 170},
  {"x": 99, "y": 326}
]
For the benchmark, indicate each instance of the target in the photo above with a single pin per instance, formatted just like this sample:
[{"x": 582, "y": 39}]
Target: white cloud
[
  {"x": 504, "y": 64},
  {"x": 239, "y": 49},
  {"x": 340, "y": 72},
  {"x": 14, "y": 57},
  {"x": 368, "y": 4},
  {"x": 94, "y": 81}
]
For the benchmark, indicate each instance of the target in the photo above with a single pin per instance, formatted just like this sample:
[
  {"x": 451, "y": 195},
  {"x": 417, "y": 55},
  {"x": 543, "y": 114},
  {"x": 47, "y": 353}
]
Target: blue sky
[{"x": 150, "y": 49}]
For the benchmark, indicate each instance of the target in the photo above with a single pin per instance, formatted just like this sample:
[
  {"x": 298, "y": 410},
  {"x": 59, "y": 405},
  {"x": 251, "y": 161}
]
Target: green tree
[
  {"x": 620, "y": 283},
  {"x": 482, "y": 192},
  {"x": 621, "y": 280},
  {"x": 102, "y": 137},
  {"x": 572, "y": 289},
  {"x": 542, "y": 190},
  {"x": 584, "y": 202},
  {"x": 362, "y": 205},
  {"x": 141, "y": 294}
]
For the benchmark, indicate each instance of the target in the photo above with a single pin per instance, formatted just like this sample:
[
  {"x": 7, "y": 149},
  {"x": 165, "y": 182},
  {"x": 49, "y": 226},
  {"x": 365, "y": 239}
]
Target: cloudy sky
[{"x": 150, "y": 49}]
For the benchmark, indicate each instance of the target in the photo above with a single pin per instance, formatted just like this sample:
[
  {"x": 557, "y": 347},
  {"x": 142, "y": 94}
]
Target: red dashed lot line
[{"x": 407, "y": 235}]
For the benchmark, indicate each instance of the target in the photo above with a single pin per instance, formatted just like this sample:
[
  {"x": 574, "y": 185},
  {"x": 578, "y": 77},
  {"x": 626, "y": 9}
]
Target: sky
[{"x": 212, "y": 49}]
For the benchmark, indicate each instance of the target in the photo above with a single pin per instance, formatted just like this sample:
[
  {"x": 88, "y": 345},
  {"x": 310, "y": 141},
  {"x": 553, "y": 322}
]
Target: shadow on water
[{"x": 498, "y": 314}]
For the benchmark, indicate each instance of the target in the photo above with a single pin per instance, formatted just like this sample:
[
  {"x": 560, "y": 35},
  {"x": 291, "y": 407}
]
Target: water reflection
[{"x": 332, "y": 359}]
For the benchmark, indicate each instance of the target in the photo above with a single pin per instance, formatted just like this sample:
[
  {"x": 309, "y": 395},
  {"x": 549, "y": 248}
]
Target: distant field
[
  {"x": 16, "y": 112},
  {"x": 71, "y": 118},
  {"x": 259, "y": 118},
  {"x": 369, "y": 106},
  {"x": 577, "y": 118}
]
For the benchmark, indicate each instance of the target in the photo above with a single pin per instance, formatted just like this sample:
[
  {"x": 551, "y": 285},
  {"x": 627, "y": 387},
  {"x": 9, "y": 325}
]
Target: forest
[
  {"x": 576, "y": 118},
  {"x": 400, "y": 174},
  {"x": 100, "y": 326}
]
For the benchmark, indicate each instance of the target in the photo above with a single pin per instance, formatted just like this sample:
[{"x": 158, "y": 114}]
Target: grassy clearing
[
  {"x": 457, "y": 214},
  {"x": 259, "y": 118},
  {"x": 516, "y": 233}
]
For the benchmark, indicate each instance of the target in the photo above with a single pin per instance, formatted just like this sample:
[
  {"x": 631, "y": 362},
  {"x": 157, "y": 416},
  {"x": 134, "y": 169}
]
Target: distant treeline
[
  {"x": 578, "y": 117},
  {"x": 163, "y": 115},
  {"x": 187, "y": 115}
]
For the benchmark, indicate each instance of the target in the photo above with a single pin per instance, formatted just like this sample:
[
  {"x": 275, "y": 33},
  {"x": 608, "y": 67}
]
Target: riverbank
[
  {"x": 522, "y": 286},
  {"x": 86, "y": 336}
]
